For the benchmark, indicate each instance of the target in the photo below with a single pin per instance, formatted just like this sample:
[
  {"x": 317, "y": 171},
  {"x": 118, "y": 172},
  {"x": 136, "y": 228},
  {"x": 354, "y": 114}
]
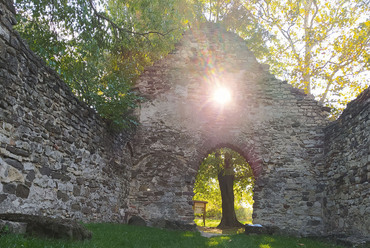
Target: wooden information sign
[{"x": 199, "y": 207}]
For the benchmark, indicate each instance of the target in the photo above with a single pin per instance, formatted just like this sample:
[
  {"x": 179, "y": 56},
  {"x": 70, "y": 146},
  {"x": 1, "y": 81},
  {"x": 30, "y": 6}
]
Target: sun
[{"x": 222, "y": 95}]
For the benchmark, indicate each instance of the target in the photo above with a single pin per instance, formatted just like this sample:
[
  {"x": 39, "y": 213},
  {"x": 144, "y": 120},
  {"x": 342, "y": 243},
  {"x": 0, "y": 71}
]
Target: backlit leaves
[{"x": 321, "y": 46}]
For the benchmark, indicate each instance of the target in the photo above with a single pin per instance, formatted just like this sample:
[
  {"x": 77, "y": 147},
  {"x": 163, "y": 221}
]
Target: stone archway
[
  {"x": 277, "y": 127},
  {"x": 163, "y": 181},
  {"x": 226, "y": 189},
  {"x": 247, "y": 152}
]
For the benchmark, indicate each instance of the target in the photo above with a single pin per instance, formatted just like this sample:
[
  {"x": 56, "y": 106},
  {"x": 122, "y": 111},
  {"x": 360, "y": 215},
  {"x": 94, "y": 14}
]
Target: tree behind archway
[{"x": 235, "y": 179}]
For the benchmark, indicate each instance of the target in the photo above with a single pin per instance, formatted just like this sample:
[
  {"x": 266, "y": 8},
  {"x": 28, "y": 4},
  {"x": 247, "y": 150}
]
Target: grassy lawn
[
  {"x": 213, "y": 223},
  {"x": 116, "y": 235},
  {"x": 209, "y": 222}
]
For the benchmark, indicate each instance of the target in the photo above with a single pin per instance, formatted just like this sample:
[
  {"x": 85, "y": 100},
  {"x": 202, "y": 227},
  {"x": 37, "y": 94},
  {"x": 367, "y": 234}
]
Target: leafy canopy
[
  {"x": 322, "y": 46},
  {"x": 100, "y": 47}
]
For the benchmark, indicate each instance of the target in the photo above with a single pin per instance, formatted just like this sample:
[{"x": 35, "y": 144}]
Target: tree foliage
[
  {"x": 233, "y": 15},
  {"x": 323, "y": 46},
  {"x": 206, "y": 185},
  {"x": 320, "y": 46},
  {"x": 100, "y": 47}
]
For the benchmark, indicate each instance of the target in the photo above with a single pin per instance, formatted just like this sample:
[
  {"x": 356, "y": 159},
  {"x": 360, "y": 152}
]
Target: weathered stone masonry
[
  {"x": 281, "y": 132},
  {"x": 277, "y": 128},
  {"x": 347, "y": 154},
  {"x": 56, "y": 157}
]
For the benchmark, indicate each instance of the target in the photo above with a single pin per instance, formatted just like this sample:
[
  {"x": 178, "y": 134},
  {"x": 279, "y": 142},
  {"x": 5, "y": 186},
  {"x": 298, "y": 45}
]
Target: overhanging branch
[{"x": 116, "y": 26}]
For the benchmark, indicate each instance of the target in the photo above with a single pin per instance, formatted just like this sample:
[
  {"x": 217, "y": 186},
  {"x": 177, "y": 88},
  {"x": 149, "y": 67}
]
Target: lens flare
[{"x": 222, "y": 95}]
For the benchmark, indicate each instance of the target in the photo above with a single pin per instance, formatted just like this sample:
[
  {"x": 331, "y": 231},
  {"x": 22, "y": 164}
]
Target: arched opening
[{"x": 225, "y": 181}]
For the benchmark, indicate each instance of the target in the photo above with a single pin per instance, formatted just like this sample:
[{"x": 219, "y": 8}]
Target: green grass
[
  {"x": 209, "y": 222},
  {"x": 116, "y": 235},
  {"x": 213, "y": 223}
]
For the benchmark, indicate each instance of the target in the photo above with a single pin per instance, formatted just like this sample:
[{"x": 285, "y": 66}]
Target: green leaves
[
  {"x": 319, "y": 46},
  {"x": 100, "y": 47},
  {"x": 315, "y": 45}
]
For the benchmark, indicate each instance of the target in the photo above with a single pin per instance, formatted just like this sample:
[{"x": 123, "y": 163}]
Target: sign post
[{"x": 199, "y": 207}]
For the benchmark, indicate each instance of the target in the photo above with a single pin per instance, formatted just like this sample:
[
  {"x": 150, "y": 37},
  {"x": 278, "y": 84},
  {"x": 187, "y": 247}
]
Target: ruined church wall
[
  {"x": 58, "y": 159},
  {"x": 347, "y": 153},
  {"x": 56, "y": 156},
  {"x": 278, "y": 129}
]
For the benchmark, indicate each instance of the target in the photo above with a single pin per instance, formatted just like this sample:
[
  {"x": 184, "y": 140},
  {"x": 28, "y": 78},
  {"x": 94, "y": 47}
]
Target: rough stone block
[
  {"x": 9, "y": 188},
  {"x": 259, "y": 229},
  {"x": 18, "y": 151},
  {"x": 63, "y": 196},
  {"x": 15, "y": 163},
  {"x": 12, "y": 227},
  {"x": 136, "y": 221},
  {"x": 50, "y": 227},
  {"x": 4, "y": 33},
  {"x": 22, "y": 191},
  {"x": 3, "y": 197}
]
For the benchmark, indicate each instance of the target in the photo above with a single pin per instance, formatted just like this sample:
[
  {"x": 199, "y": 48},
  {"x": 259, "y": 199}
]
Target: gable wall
[{"x": 277, "y": 128}]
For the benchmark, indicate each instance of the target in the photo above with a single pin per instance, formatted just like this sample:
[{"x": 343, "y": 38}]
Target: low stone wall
[
  {"x": 347, "y": 153},
  {"x": 56, "y": 156}
]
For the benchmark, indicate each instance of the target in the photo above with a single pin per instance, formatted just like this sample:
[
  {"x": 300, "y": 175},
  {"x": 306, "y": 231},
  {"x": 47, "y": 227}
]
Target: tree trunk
[
  {"x": 226, "y": 182},
  {"x": 228, "y": 219}
]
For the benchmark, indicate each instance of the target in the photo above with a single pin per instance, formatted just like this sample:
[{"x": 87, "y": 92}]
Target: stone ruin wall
[
  {"x": 347, "y": 154},
  {"x": 56, "y": 157},
  {"x": 277, "y": 128}
]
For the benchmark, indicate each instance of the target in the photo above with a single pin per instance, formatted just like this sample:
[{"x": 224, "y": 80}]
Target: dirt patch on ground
[{"x": 214, "y": 231}]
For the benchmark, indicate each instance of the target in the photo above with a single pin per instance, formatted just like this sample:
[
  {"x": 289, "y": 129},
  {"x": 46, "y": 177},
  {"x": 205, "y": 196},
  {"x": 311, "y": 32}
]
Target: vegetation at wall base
[{"x": 119, "y": 235}]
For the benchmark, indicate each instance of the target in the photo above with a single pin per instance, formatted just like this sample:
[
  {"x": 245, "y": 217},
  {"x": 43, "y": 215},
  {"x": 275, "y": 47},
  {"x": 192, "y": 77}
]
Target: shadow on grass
[{"x": 121, "y": 236}]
